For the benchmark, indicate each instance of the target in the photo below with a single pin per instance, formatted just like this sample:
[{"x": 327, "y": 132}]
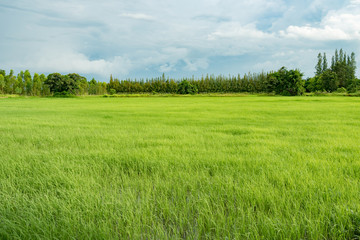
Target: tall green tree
[
  {"x": 329, "y": 81},
  {"x": 55, "y": 83},
  {"x": 28, "y": 83},
  {"x": 36, "y": 85},
  {"x": 10, "y": 82},
  {"x": 45, "y": 90},
  {"x": 319, "y": 65},
  {"x": 2, "y": 72},
  {"x": 2, "y": 83},
  {"x": 325, "y": 63},
  {"x": 336, "y": 56},
  {"x": 19, "y": 85},
  {"x": 92, "y": 87}
]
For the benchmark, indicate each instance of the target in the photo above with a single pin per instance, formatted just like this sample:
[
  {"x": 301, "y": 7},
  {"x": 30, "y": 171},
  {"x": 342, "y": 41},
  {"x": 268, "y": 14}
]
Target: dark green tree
[
  {"x": 325, "y": 63},
  {"x": 2, "y": 83},
  {"x": 185, "y": 87},
  {"x": 286, "y": 82},
  {"x": 28, "y": 83},
  {"x": 56, "y": 83},
  {"x": 329, "y": 81},
  {"x": 319, "y": 65},
  {"x": 272, "y": 83},
  {"x": 36, "y": 85},
  {"x": 75, "y": 83},
  {"x": 10, "y": 82},
  {"x": 45, "y": 90},
  {"x": 67, "y": 84},
  {"x": 92, "y": 87},
  {"x": 19, "y": 85},
  {"x": 336, "y": 56}
]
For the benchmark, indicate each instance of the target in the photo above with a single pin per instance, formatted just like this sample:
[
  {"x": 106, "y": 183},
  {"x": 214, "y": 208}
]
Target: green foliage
[
  {"x": 319, "y": 65},
  {"x": 92, "y": 87},
  {"x": 55, "y": 83},
  {"x": 2, "y": 83},
  {"x": 185, "y": 87},
  {"x": 72, "y": 83},
  {"x": 2, "y": 72},
  {"x": 282, "y": 82},
  {"x": 20, "y": 85},
  {"x": 64, "y": 94},
  {"x": 37, "y": 84},
  {"x": 28, "y": 84},
  {"x": 329, "y": 80},
  {"x": 18, "y": 90},
  {"x": 341, "y": 74},
  {"x": 341, "y": 90},
  {"x": 325, "y": 63},
  {"x": 285, "y": 82},
  {"x": 112, "y": 91},
  {"x": 322, "y": 64}
]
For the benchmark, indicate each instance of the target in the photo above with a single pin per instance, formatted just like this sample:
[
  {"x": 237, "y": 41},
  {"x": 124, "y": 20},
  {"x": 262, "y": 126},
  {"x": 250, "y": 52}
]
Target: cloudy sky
[{"x": 145, "y": 38}]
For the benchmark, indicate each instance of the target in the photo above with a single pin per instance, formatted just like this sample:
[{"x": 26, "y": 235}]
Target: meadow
[{"x": 235, "y": 167}]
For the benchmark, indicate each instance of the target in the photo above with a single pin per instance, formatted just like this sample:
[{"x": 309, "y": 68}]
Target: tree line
[
  {"x": 340, "y": 76},
  {"x": 53, "y": 84}
]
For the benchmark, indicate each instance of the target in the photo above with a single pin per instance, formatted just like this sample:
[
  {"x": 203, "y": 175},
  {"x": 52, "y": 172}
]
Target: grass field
[{"x": 180, "y": 167}]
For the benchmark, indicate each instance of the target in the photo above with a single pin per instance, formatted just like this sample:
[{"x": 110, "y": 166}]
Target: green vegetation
[
  {"x": 174, "y": 168},
  {"x": 341, "y": 75}
]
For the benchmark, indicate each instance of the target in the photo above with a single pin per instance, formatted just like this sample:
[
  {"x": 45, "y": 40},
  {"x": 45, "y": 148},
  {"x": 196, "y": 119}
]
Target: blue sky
[{"x": 145, "y": 38}]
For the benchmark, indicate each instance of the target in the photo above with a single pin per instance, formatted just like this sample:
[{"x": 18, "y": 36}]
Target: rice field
[{"x": 199, "y": 167}]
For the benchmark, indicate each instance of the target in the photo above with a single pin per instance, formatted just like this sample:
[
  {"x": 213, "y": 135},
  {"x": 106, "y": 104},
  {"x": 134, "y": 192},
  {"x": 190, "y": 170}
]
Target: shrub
[
  {"x": 285, "y": 82},
  {"x": 341, "y": 90},
  {"x": 63, "y": 94},
  {"x": 185, "y": 87},
  {"x": 112, "y": 91},
  {"x": 286, "y": 93}
]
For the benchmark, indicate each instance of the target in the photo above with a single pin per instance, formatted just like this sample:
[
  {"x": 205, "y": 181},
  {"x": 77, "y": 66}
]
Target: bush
[
  {"x": 286, "y": 93},
  {"x": 320, "y": 93},
  {"x": 63, "y": 94},
  {"x": 355, "y": 94},
  {"x": 341, "y": 90},
  {"x": 285, "y": 82},
  {"x": 112, "y": 91},
  {"x": 185, "y": 87}
]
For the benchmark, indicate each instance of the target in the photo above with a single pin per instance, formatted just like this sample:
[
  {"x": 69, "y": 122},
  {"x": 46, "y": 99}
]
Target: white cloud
[
  {"x": 355, "y": 2},
  {"x": 342, "y": 24},
  {"x": 237, "y": 30},
  {"x": 312, "y": 33},
  {"x": 138, "y": 16},
  {"x": 167, "y": 67},
  {"x": 196, "y": 64},
  {"x": 128, "y": 38},
  {"x": 65, "y": 61}
]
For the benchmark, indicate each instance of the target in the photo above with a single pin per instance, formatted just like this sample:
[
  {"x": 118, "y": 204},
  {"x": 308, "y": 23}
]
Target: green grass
[{"x": 175, "y": 168}]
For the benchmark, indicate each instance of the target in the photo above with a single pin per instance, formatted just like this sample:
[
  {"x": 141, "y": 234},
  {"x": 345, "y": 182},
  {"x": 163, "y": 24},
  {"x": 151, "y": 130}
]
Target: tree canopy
[
  {"x": 341, "y": 73},
  {"x": 339, "y": 76}
]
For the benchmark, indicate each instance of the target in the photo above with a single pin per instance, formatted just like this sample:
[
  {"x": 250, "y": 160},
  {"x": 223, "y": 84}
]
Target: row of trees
[
  {"x": 286, "y": 82},
  {"x": 340, "y": 75},
  {"x": 40, "y": 85}
]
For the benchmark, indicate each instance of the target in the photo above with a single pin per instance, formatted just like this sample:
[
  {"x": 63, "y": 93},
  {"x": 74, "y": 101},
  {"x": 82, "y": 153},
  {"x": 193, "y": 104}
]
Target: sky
[{"x": 181, "y": 38}]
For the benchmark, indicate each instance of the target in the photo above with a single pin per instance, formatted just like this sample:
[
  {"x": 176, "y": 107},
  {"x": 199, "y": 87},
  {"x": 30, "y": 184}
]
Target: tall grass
[{"x": 180, "y": 168}]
